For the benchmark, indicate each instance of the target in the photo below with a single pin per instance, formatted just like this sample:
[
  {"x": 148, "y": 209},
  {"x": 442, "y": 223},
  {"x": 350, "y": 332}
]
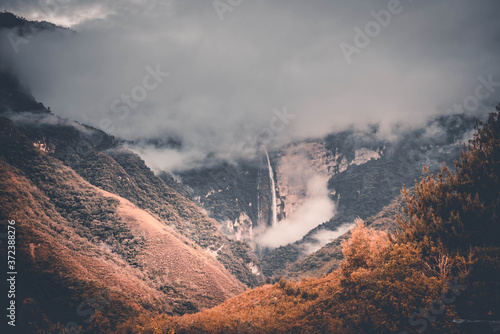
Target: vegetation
[
  {"x": 441, "y": 265},
  {"x": 142, "y": 266},
  {"x": 367, "y": 189},
  {"x": 95, "y": 156},
  {"x": 74, "y": 240}
]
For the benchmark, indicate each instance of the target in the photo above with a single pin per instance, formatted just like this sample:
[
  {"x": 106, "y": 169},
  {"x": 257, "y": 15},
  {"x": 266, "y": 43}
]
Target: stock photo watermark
[
  {"x": 224, "y": 6},
  {"x": 121, "y": 106},
  {"x": 11, "y": 272},
  {"x": 17, "y": 40},
  {"x": 372, "y": 29},
  {"x": 426, "y": 316},
  {"x": 87, "y": 309},
  {"x": 266, "y": 135},
  {"x": 483, "y": 90}
]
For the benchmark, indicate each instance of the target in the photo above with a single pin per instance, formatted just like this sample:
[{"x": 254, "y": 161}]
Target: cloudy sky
[{"x": 217, "y": 75}]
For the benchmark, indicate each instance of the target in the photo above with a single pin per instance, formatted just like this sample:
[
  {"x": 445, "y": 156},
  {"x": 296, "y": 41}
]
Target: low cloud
[
  {"x": 324, "y": 237},
  {"x": 167, "y": 159},
  {"x": 39, "y": 119},
  {"x": 226, "y": 77}
]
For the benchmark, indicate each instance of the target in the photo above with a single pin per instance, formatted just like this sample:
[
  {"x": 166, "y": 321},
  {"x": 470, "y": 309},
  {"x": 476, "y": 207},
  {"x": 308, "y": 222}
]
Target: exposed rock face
[
  {"x": 241, "y": 228},
  {"x": 240, "y": 196},
  {"x": 229, "y": 193},
  {"x": 364, "y": 155},
  {"x": 42, "y": 146},
  {"x": 296, "y": 165},
  {"x": 299, "y": 164}
]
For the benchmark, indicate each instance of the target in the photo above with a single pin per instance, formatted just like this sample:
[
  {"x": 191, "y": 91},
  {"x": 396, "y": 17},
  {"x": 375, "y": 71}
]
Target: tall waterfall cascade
[{"x": 273, "y": 190}]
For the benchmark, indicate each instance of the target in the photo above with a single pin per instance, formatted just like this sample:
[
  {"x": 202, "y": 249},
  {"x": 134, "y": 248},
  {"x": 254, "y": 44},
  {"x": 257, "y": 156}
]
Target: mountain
[
  {"x": 369, "y": 176},
  {"x": 74, "y": 234},
  {"x": 436, "y": 273},
  {"x": 361, "y": 171},
  {"x": 100, "y": 160},
  {"x": 95, "y": 223},
  {"x": 20, "y": 24},
  {"x": 356, "y": 172},
  {"x": 17, "y": 31},
  {"x": 100, "y": 235}
]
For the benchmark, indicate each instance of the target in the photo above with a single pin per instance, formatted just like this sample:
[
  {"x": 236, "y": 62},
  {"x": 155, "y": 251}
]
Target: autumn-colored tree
[
  {"x": 384, "y": 283},
  {"x": 462, "y": 210},
  {"x": 364, "y": 250},
  {"x": 454, "y": 219}
]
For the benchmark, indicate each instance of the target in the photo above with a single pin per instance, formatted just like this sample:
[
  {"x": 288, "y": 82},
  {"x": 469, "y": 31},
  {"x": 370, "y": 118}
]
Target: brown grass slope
[
  {"x": 100, "y": 160},
  {"x": 76, "y": 239}
]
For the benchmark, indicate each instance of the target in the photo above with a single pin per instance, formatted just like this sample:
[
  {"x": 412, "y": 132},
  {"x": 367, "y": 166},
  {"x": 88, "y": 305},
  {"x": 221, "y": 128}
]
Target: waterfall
[
  {"x": 258, "y": 197},
  {"x": 273, "y": 190}
]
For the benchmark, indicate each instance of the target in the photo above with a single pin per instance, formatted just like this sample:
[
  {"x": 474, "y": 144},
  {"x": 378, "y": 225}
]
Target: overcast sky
[{"x": 229, "y": 67}]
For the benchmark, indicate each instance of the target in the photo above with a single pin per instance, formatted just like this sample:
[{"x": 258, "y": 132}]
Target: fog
[
  {"x": 316, "y": 209},
  {"x": 323, "y": 237},
  {"x": 212, "y": 78}
]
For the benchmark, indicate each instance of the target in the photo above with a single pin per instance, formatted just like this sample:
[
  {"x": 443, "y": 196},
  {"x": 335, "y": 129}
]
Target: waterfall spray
[{"x": 273, "y": 190}]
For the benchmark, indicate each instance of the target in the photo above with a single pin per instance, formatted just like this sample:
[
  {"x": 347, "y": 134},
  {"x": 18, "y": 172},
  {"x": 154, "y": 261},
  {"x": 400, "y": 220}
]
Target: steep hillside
[
  {"x": 11, "y": 21},
  {"x": 229, "y": 193},
  {"x": 99, "y": 159},
  {"x": 73, "y": 234}
]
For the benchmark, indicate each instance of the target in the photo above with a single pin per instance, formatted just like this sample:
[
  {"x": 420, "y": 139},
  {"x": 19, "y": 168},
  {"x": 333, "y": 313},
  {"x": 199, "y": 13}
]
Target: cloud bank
[{"x": 225, "y": 77}]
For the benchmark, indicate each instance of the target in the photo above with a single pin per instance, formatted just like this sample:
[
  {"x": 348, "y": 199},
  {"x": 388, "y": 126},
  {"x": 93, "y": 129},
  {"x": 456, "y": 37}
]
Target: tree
[{"x": 457, "y": 217}]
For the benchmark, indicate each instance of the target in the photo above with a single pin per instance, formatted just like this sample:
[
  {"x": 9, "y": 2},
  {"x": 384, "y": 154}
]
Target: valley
[{"x": 141, "y": 217}]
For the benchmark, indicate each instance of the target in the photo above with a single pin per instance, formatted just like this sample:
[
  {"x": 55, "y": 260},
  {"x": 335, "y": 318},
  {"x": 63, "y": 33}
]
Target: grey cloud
[{"x": 227, "y": 76}]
